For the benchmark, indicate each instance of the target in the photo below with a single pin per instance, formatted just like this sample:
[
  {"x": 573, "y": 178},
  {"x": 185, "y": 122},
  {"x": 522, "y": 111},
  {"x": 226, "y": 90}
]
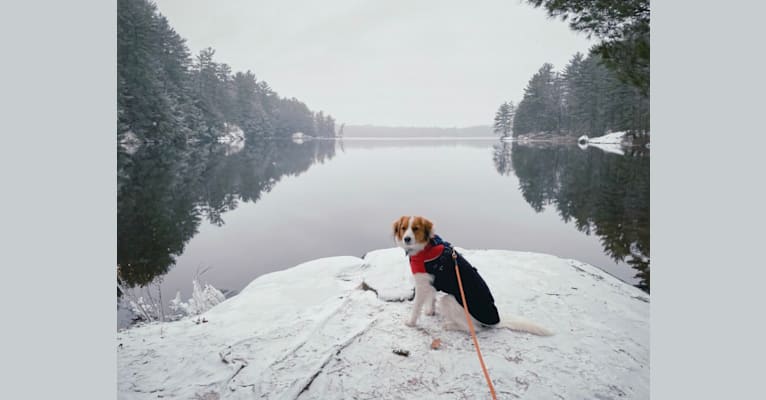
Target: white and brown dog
[{"x": 433, "y": 268}]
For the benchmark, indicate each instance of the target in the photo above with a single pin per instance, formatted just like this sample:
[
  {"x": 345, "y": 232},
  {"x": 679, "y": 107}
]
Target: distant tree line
[
  {"x": 586, "y": 98},
  {"x": 165, "y": 95}
]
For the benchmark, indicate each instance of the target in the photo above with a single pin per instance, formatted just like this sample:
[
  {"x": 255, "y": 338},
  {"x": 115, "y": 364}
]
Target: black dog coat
[{"x": 436, "y": 259}]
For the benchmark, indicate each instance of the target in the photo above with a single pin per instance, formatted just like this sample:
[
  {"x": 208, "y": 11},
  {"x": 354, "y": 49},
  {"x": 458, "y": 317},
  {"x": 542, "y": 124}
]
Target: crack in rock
[{"x": 329, "y": 358}]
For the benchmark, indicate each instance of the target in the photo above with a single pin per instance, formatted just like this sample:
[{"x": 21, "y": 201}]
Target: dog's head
[{"x": 412, "y": 233}]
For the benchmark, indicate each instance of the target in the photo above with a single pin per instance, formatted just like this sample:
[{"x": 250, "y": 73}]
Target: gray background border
[
  {"x": 57, "y": 167},
  {"x": 707, "y": 185}
]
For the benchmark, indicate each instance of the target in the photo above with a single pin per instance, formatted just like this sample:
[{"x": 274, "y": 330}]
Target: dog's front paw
[
  {"x": 430, "y": 311},
  {"x": 409, "y": 322}
]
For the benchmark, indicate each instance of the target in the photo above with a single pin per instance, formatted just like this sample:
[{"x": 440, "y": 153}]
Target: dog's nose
[{"x": 407, "y": 239}]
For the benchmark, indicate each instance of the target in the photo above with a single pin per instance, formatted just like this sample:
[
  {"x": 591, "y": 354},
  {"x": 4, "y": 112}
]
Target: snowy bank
[
  {"x": 610, "y": 143},
  {"x": 233, "y": 138},
  {"x": 609, "y": 138},
  {"x": 310, "y": 332},
  {"x": 130, "y": 142}
]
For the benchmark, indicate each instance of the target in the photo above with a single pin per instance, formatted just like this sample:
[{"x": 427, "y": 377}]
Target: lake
[{"x": 232, "y": 215}]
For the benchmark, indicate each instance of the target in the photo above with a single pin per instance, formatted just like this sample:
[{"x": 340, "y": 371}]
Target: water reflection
[
  {"x": 165, "y": 192},
  {"x": 502, "y": 157},
  {"x": 603, "y": 194}
]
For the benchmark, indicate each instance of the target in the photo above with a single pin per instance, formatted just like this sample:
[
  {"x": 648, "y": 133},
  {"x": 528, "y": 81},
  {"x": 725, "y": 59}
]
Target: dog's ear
[
  {"x": 428, "y": 227},
  {"x": 397, "y": 224}
]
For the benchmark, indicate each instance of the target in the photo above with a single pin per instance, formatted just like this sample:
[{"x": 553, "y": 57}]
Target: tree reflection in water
[
  {"x": 602, "y": 193},
  {"x": 164, "y": 193}
]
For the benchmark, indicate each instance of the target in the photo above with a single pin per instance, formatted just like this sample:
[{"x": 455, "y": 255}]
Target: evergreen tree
[
  {"x": 587, "y": 98},
  {"x": 623, "y": 27},
  {"x": 539, "y": 110},
  {"x": 162, "y": 95},
  {"x": 249, "y": 111},
  {"x": 151, "y": 73},
  {"x": 504, "y": 119}
]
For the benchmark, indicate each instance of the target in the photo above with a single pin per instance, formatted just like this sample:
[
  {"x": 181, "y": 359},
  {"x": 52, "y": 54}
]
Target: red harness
[{"x": 418, "y": 261}]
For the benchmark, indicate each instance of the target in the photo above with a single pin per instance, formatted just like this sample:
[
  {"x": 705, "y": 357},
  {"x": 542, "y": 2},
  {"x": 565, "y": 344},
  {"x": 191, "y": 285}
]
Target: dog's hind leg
[
  {"x": 430, "y": 302},
  {"x": 453, "y": 314}
]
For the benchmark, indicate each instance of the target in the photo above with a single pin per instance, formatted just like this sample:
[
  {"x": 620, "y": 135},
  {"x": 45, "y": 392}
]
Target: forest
[
  {"x": 181, "y": 105},
  {"x": 606, "y": 90},
  {"x": 164, "y": 95},
  {"x": 586, "y": 98}
]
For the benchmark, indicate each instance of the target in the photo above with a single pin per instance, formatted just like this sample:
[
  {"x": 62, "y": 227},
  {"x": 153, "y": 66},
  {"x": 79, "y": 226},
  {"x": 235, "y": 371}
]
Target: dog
[{"x": 433, "y": 268}]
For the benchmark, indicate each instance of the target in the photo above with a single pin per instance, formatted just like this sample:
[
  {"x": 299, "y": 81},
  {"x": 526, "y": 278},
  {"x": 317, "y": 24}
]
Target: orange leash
[{"x": 473, "y": 332}]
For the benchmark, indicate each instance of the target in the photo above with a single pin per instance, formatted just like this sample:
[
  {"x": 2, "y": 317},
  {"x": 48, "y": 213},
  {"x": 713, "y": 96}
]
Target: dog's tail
[{"x": 522, "y": 325}]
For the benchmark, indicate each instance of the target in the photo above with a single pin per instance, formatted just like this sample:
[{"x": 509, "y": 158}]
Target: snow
[
  {"x": 412, "y": 138},
  {"x": 609, "y": 148},
  {"x": 203, "y": 298},
  {"x": 609, "y": 138},
  {"x": 300, "y": 137},
  {"x": 234, "y": 138},
  {"x": 233, "y": 134},
  {"x": 310, "y": 332},
  {"x": 610, "y": 143},
  {"x": 130, "y": 142}
]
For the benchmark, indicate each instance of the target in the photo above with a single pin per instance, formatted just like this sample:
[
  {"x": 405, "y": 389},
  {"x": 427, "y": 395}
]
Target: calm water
[{"x": 272, "y": 206}]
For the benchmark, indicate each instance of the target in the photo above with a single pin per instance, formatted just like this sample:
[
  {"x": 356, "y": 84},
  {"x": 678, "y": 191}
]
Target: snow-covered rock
[
  {"x": 609, "y": 138},
  {"x": 130, "y": 142},
  {"x": 300, "y": 137},
  {"x": 609, "y": 148},
  {"x": 312, "y": 332},
  {"x": 610, "y": 143},
  {"x": 234, "y": 138},
  {"x": 233, "y": 133}
]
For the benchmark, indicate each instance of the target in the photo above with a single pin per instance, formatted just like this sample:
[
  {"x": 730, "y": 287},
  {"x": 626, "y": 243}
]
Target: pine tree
[
  {"x": 587, "y": 98},
  {"x": 163, "y": 95},
  {"x": 623, "y": 27},
  {"x": 504, "y": 119},
  {"x": 539, "y": 109}
]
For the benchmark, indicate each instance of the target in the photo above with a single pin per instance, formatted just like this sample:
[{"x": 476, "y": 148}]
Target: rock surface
[{"x": 312, "y": 332}]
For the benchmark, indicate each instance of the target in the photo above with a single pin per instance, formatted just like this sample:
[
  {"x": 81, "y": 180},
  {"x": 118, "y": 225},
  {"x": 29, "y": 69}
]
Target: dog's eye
[{"x": 414, "y": 229}]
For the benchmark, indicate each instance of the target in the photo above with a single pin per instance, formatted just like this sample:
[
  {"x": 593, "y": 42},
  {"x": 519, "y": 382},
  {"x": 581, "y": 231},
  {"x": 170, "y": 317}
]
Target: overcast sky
[{"x": 394, "y": 62}]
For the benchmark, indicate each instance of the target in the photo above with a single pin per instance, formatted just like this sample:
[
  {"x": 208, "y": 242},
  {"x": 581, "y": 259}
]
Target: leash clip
[{"x": 454, "y": 254}]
